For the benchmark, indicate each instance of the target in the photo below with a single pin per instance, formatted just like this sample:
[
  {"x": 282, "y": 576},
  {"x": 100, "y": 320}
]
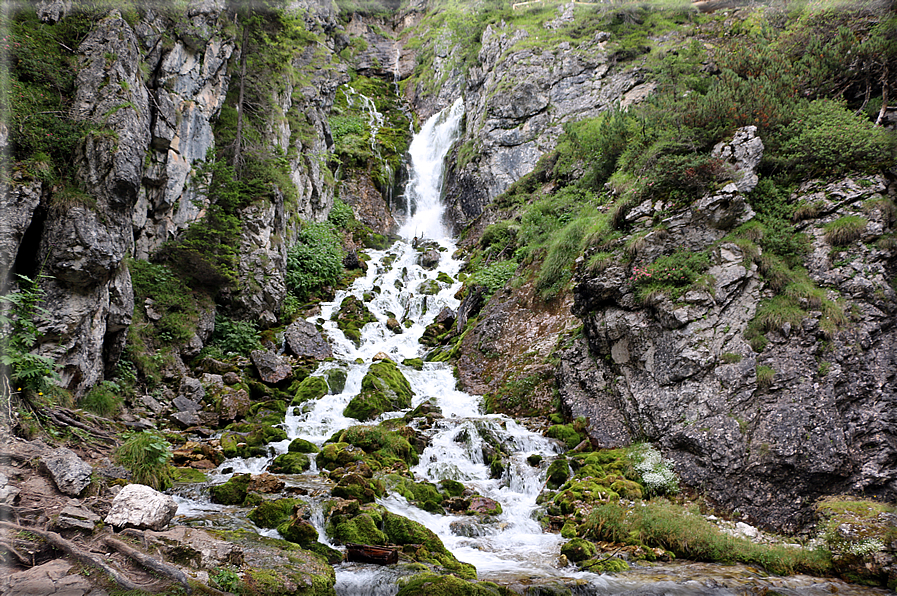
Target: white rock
[
  {"x": 746, "y": 530},
  {"x": 139, "y": 506}
]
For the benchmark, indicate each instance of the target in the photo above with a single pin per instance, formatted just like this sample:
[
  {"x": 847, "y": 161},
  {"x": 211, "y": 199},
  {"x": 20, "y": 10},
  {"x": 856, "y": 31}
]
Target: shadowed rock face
[{"x": 681, "y": 374}]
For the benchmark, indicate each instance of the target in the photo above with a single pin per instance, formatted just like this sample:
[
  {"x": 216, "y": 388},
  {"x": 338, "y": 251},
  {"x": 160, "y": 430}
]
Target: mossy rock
[
  {"x": 430, "y": 584},
  {"x": 415, "y": 363},
  {"x": 565, "y": 433},
  {"x": 270, "y": 514},
  {"x": 359, "y": 488},
  {"x": 451, "y": 488},
  {"x": 361, "y": 529},
  {"x": 558, "y": 473},
  {"x": 384, "y": 446},
  {"x": 351, "y": 317},
  {"x": 267, "y": 413},
  {"x": 534, "y": 460},
  {"x": 627, "y": 489},
  {"x": 376, "y": 241},
  {"x": 336, "y": 379},
  {"x": 605, "y": 565},
  {"x": 338, "y": 455},
  {"x": 302, "y": 446},
  {"x": 290, "y": 463},
  {"x": 310, "y": 388},
  {"x": 187, "y": 475},
  {"x": 383, "y": 389},
  {"x": 569, "y": 530},
  {"x": 424, "y": 495},
  {"x": 401, "y": 530},
  {"x": 576, "y": 491},
  {"x": 299, "y": 531},
  {"x": 428, "y": 287},
  {"x": 232, "y": 492},
  {"x": 445, "y": 278},
  {"x": 578, "y": 549},
  {"x": 333, "y": 556}
]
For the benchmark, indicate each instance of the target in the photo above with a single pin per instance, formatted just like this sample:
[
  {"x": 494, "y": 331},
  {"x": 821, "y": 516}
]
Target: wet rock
[
  {"x": 70, "y": 473},
  {"x": 271, "y": 368},
  {"x": 480, "y": 505},
  {"x": 384, "y": 388},
  {"x": 195, "y": 547},
  {"x": 351, "y": 261},
  {"x": 310, "y": 388},
  {"x": 139, "y": 506},
  {"x": 393, "y": 325},
  {"x": 232, "y": 492},
  {"x": 429, "y": 259},
  {"x": 234, "y": 404},
  {"x": 265, "y": 483},
  {"x": 73, "y": 517},
  {"x": 49, "y": 579},
  {"x": 305, "y": 341},
  {"x": 290, "y": 463},
  {"x": 336, "y": 379}
]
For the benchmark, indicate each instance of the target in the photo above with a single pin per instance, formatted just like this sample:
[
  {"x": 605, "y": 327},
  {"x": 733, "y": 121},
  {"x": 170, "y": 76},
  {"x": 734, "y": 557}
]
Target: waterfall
[{"x": 423, "y": 193}]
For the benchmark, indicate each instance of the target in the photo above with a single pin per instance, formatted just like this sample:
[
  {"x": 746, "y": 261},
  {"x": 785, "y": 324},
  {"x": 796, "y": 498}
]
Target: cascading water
[{"x": 509, "y": 548}]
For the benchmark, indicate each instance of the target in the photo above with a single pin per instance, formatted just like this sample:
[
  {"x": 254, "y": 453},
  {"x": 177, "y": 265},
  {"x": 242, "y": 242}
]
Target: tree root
[
  {"x": 22, "y": 559},
  {"x": 69, "y": 548},
  {"x": 149, "y": 562}
]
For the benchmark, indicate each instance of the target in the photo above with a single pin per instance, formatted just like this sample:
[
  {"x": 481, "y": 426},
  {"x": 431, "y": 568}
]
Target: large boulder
[
  {"x": 383, "y": 389},
  {"x": 271, "y": 367},
  {"x": 70, "y": 473},
  {"x": 305, "y": 341},
  {"x": 195, "y": 547},
  {"x": 139, "y": 506}
]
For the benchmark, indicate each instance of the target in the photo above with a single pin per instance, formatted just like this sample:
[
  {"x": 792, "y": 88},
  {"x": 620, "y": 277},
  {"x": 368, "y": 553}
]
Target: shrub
[
  {"x": 315, "y": 261},
  {"x": 19, "y": 312},
  {"x": 238, "y": 337},
  {"x": 494, "y": 276},
  {"x": 340, "y": 214},
  {"x": 845, "y": 230},
  {"x": 146, "y": 454}
]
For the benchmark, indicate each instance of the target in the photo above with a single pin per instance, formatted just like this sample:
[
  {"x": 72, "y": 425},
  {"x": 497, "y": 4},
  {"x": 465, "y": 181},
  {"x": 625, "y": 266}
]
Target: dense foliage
[{"x": 315, "y": 262}]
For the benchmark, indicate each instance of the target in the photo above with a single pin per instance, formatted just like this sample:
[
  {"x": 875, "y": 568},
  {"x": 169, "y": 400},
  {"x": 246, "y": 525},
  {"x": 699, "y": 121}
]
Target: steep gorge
[{"x": 626, "y": 277}]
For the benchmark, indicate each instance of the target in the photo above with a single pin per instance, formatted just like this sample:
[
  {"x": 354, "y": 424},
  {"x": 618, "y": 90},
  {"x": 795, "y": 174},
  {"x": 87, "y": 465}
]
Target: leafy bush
[
  {"x": 670, "y": 274},
  {"x": 340, "y": 215},
  {"x": 238, "y": 337},
  {"x": 19, "y": 312},
  {"x": 315, "y": 261},
  {"x": 146, "y": 455},
  {"x": 171, "y": 298}
]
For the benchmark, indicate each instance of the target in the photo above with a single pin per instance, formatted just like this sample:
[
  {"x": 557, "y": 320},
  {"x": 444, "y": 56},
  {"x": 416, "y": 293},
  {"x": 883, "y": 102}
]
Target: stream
[{"x": 511, "y": 549}]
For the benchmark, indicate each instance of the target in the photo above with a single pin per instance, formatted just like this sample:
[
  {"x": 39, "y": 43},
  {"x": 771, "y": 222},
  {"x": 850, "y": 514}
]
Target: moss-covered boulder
[
  {"x": 298, "y": 530},
  {"x": 565, "y": 433},
  {"x": 451, "y": 488},
  {"x": 578, "y": 549},
  {"x": 422, "y": 494},
  {"x": 383, "y": 448},
  {"x": 338, "y": 455},
  {"x": 270, "y": 514},
  {"x": 249, "y": 440},
  {"x": 310, "y": 388},
  {"x": 627, "y": 489},
  {"x": 351, "y": 317},
  {"x": 558, "y": 473},
  {"x": 336, "y": 379},
  {"x": 429, "y": 584},
  {"x": 415, "y": 363},
  {"x": 359, "y": 488},
  {"x": 604, "y": 564},
  {"x": 361, "y": 529},
  {"x": 483, "y": 506},
  {"x": 232, "y": 492},
  {"x": 302, "y": 446},
  {"x": 383, "y": 389},
  {"x": 290, "y": 463},
  {"x": 428, "y": 548}
]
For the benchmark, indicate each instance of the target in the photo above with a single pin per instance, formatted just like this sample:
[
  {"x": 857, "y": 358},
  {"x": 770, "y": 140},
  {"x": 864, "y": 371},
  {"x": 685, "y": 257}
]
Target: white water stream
[{"x": 512, "y": 548}]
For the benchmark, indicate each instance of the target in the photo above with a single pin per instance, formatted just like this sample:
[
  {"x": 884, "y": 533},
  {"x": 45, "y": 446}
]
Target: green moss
[
  {"x": 578, "y": 549},
  {"x": 336, "y": 379},
  {"x": 558, "y": 473},
  {"x": 415, "y": 363},
  {"x": 361, "y": 529},
  {"x": 310, "y": 388},
  {"x": 351, "y": 317},
  {"x": 290, "y": 463},
  {"x": 451, "y": 488},
  {"x": 627, "y": 489},
  {"x": 429, "y": 584},
  {"x": 569, "y": 530},
  {"x": 187, "y": 475},
  {"x": 401, "y": 530},
  {"x": 565, "y": 433},
  {"x": 298, "y": 530},
  {"x": 302, "y": 446},
  {"x": 338, "y": 455},
  {"x": 270, "y": 514},
  {"x": 422, "y": 494},
  {"x": 384, "y": 388},
  {"x": 359, "y": 488},
  {"x": 232, "y": 492},
  {"x": 605, "y": 565}
]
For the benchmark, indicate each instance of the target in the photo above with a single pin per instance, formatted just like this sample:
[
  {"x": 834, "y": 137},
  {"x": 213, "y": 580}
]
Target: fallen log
[
  {"x": 69, "y": 548},
  {"x": 150, "y": 563},
  {"x": 369, "y": 553}
]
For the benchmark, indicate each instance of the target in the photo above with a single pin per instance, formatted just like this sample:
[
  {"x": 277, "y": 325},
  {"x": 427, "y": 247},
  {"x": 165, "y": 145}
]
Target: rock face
[
  {"x": 305, "y": 341},
  {"x": 767, "y": 432},
  {"x": 70, "y": 473},
  {"x": 517, "y": 99},
  {"x": 139, "y": 506}
]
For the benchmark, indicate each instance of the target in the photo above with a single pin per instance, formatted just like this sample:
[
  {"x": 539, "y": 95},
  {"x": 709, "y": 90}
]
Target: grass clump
[
  {"x": 146, "y": 455},
  {"x": 845, "y": 230},
  {"x": 660, "y": 524},
  {"x": 103, "y": 399},
  {"x": 765, "y": 376}
]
